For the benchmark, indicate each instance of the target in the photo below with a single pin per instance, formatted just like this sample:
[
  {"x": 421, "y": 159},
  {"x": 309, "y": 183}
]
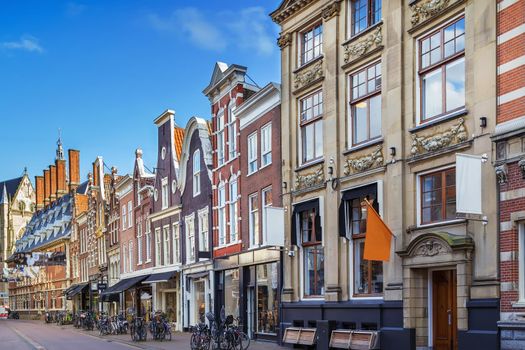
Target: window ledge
[
  {"x": 308, "y": 64},
  {"x": 364, "y": 145},
  {"x": 519, "y": 304},
  {"x": 309, "y": 164},
  {"x": 437, "y": 224},
  {"x": 362, "y": 33},
  {"x": 265, "y": 166},
  {"x": 439, "y": 120}
]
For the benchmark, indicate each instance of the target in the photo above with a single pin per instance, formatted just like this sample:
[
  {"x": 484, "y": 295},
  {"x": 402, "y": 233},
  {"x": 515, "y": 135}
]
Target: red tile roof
[{"x": 179, "y": 138}]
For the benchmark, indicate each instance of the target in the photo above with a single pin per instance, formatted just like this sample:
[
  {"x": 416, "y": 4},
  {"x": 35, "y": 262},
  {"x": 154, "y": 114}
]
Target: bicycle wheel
[
  {"x": 244, "y": 340},
  {"x": 144, "y": 334}
]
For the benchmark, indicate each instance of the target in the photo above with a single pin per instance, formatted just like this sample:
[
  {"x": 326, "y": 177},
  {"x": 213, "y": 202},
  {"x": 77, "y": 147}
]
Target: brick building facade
[{"x": 509, "y": 152}]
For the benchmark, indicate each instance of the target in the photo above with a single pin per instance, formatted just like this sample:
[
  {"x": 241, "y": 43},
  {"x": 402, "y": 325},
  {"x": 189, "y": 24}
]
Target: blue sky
[{"x": 101, "y": 71}]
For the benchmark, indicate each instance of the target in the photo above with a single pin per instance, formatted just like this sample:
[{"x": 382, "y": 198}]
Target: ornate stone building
[
  {"x": 17, "y": 204},
  {"x": 378, "y": 100}
]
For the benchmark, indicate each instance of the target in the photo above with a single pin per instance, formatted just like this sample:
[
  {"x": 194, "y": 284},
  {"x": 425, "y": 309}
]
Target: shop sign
[{"x": 102, "y": 286}]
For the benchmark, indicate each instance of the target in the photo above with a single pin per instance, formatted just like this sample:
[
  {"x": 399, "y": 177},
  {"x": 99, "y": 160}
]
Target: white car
[{"x": 3, "y": 312}]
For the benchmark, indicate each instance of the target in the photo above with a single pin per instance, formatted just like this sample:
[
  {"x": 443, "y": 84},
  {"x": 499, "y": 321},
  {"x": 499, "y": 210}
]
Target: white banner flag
[{"x": 468, "y": 184}]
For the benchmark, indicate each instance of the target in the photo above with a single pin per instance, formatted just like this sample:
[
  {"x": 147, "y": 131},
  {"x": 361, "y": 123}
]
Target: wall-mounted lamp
[
  {"x": 483, "y": 122},
  {"x": 393, "y": 151},
  {"x": 285, "y": 185}
]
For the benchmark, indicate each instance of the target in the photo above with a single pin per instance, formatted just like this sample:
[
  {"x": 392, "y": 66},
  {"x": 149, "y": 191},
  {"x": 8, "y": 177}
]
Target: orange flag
[{"x": 378, "y": 237}]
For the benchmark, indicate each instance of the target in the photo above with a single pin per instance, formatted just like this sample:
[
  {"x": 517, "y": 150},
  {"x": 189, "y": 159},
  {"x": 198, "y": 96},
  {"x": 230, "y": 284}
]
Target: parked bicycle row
[{"x": 222, "y": 333}]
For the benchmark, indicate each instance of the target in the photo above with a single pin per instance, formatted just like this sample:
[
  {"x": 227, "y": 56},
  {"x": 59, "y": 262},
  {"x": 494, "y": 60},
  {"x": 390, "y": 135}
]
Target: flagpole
[{"x": 370, "y": 205}]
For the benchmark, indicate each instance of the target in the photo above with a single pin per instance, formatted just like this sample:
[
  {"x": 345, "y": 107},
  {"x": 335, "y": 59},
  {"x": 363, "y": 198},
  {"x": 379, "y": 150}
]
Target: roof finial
[{"x": 60, "y": 150}]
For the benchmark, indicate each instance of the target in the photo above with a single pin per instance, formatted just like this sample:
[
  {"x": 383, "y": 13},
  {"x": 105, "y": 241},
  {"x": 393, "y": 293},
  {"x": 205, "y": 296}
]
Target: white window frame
[
  {"x": 189, "y": 222},
  {"x": 125, "y": 258},
  {"x": 221, "y": 211},
  {"x": 254, "y": 236},
  {"x": 264, "y": 207},
  {"x": 221, "y": 157},
  {"x": 196, "y": 173},
  {"x": 164, "y": 192},
  {"x": 148, "y": 242},
  {"x": 176, "y": 243},
  {"x": 166, "y": 243},
  {"x": 158, "y": 247},
  {"x": 252, "y": 153},
  {"x": 521, "y": 263},
  {"x": 204, "y": 230},
  {"x": 232, "y": 133},
  {"x": 130, "y": 214},
  {"x": 266, "y": 145},
  {"x": 131, "y": 260},
  {"x": 124, "y": 216},
  {"x": 139, "y": 240},
  {"x": 320, "y": 119},
  {"x": 234, "y": 210}
]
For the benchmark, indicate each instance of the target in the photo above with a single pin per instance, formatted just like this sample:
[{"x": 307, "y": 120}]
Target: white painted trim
[
  {"x": 511, "y": 96},
  {"x": 513, "y": 64},
  {"x": 506, "y": 3},
  {"x": 511, "y": 34},
  {"x": 521, "y": 262}
]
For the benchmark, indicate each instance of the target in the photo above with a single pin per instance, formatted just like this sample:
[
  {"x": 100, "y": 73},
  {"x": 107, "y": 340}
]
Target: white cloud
[
  {"x": 74, "y": 9},
  {"x": 247, "y": 29},
  {"x": 26, "y": 43},
  {"x": 250, "y": 28}
]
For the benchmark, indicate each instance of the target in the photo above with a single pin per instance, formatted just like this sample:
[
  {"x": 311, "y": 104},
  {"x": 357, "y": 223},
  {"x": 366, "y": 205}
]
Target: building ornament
[
  {"x": 360, "y": 48},
  {"x": 430, "y": 247},
  {"x": 439, "y": 141},
  {"x": 331, "y": 10},
  {"x": 310, "y": 179},
  {"x": 308, "y": 76},
  {"x": 287, "y": 9},
  {"x": 521, "y": 164},
  {"x": 284, "y": 40},
  {"x": 356, "y": 165},
  {"x": 501, "y": 173},
  {"x": 427, "y": 9}
]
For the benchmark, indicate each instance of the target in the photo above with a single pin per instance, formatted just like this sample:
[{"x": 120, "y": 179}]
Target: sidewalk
[{"x": 179, "y": 341}]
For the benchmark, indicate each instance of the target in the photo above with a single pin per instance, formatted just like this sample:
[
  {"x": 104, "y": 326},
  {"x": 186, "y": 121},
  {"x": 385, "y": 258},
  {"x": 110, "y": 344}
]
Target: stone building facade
[
  {"x": 509, "y": 154},
  {"x": 378, "y": 100},
  {"x": 17, "y": 204}
]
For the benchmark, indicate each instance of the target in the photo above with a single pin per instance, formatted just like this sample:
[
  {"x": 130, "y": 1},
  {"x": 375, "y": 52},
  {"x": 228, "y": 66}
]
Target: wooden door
[{"x": 444, "y": 322}]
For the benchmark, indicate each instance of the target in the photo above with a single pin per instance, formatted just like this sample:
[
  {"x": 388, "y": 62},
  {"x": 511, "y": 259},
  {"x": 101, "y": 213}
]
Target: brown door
[{"x": 444, "y": 326}]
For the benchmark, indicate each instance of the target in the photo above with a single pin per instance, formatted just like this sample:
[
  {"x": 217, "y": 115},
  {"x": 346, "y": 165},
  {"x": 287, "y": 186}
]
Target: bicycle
[
  {"x": 138, "y": 329},
  {"x": 159, "y": 327},
  {"x": 200, "y": 337}
]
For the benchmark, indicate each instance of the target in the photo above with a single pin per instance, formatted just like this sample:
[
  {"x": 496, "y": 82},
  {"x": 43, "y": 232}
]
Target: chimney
[
  {"x": 39, "y": 181},
  {"x": 61, "y": 177},
  {"x": 53, "y": 180},
  {"x": 47, "y": 187},
  {"x": 96, "y": 180},
  {"x": 74, "y": 169}
]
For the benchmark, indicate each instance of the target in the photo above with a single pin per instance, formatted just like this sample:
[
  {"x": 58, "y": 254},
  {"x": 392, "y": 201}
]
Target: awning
[
  {"x": 72, "y": 291},
  {"x": 123, "y": 285},
  {"x": 160, "y": 277}
]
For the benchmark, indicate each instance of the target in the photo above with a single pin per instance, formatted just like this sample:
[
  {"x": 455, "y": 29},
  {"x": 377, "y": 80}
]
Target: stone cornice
[{"x": 287, "y": 9}]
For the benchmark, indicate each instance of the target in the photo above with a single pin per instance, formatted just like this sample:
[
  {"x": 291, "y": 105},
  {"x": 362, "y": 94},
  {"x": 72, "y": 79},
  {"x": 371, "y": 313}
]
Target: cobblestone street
[{"x": 36, "y": 335}]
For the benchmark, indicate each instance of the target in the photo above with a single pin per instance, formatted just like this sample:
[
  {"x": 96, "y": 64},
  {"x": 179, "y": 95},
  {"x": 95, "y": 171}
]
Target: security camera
[{"x": 291, "y": 253}]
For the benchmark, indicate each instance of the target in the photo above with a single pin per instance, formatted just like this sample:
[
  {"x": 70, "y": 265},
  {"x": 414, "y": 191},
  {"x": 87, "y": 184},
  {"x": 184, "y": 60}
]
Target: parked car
[{"x": 3, "y": 312}]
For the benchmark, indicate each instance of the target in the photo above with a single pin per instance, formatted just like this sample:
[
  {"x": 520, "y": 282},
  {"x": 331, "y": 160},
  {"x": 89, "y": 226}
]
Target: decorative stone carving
[
  {"x": 457, "y": 133},
  {"x": 284, "y": 40},
  {"x": 431, "y": 247},
  {"x": 309, "y": 180},
  {"x": 501, "y": 173},
  {"x": 427, "y": 9},
  {"x": 521, "y": 164},
  {"x": 307, "y": 76},
  {"x": 358, "y": 49},
  {"x": 331, "y": 10},
  {"x": 356, "y": 165}
]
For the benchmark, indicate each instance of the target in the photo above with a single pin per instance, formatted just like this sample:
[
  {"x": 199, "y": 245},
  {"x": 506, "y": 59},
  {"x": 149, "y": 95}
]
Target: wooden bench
[
  {"x": 358, "y": 340},
  {"x": 300, "y": 336}
]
